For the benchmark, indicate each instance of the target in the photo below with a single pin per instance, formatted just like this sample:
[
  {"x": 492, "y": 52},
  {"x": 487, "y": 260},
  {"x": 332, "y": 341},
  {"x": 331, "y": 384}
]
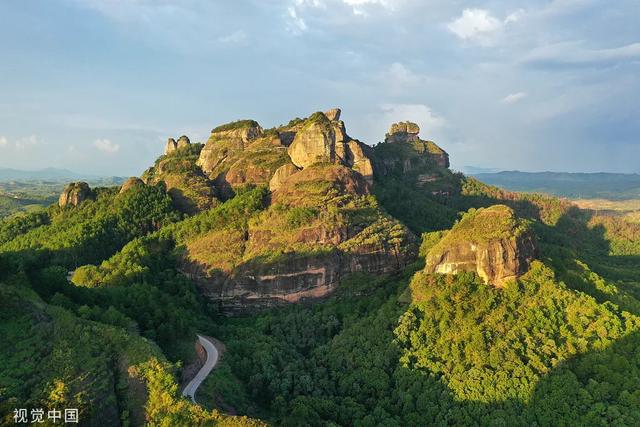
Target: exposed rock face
[
  {"x": 183, "y": 141},
  {"x": 404, "y": 152},
  {"x": 333, "y": 114},
  {"x": 314, "y": 143},
  {"x": 293, "y": 279},
  {"x": 403, "y": 132},
  {"x": 281, "y": 174},
  {"x": 130, "y": 183},
  {"x": 277, "y": 260},
  {"x": 170, "y": 147},
  {"x": 491, "y": 242},
  {"x": 240, "y": 153},
  {"x": 323, "y": 139},
  {"x": 74, "y": 194}
]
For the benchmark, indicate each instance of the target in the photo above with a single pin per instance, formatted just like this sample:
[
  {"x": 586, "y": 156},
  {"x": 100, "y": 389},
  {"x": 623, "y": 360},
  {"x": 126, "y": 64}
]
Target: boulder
[
  {"x": 282, "y": 174},
  {"x": 333, "y": 114},
  {"x": 74, "y": 194},
  {"x": 403, "y": 132},
  {"x": 490, "y": 242},
  {"x": 170, "y": 147},
  {"x": 130, "y": 183},
  {"x": 314, "y": 143},
  {"x": 183, "y": 141}
]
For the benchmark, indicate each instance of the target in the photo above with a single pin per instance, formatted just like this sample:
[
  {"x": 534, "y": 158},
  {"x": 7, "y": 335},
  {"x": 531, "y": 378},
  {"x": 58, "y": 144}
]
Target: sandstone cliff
[
  {"x": 491, "y": 242},
  {"x": 323, "y": 139},
  {"x": 320, "y": 226},
  {"x": 74, "y": 194}
]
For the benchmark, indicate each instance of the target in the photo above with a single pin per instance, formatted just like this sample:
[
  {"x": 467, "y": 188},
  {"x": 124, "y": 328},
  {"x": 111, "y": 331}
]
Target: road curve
[{"x": 212, "y": 359}]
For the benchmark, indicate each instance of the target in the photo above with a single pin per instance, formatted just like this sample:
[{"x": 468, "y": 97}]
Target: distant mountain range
[
  {"x": 50, "y": 174},
  {"x": 601, "y": 185}
]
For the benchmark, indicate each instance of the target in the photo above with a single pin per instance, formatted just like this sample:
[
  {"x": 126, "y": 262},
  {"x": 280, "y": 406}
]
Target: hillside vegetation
[{"x": 351, "y": 285}]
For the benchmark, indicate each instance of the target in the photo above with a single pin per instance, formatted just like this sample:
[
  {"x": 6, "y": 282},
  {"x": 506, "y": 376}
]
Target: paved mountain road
[{"x": 212, "y": 359}]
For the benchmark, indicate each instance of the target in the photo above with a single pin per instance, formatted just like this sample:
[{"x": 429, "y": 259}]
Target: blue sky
[{"x": 97, "y": 86}]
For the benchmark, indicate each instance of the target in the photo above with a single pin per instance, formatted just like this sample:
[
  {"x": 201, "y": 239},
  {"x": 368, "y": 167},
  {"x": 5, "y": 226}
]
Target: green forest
[{"x": 100, "y": 302}]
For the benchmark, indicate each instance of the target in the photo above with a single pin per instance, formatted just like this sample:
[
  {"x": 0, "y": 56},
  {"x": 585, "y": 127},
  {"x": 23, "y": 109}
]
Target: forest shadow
[{"x": 593, "y": 388}]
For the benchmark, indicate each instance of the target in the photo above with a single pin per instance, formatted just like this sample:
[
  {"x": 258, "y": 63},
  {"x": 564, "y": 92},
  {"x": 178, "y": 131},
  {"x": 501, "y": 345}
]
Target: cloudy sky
[{"x": 97, "y": 86}]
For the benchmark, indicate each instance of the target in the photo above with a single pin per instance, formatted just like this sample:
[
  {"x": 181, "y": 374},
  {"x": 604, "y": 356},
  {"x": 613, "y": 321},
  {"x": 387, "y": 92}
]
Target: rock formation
[
  {"x": 183, "y": 141},
  {"x": 491, "y": 242},
  {"x": 74, "y": 194},
  {"x": 409, "y": 151},
  {"x": 281, "y": 258},
  {"x": 402, "y": 132},
  {"x": 130, "y": 183},
  {"x": 172, "y": 145},
  {"x": 282, "y": 173},
  {"x": 323, "y": 139}
]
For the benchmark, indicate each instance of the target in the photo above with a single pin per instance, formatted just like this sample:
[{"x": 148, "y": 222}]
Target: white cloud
[
  {"x": 27, "y": 142},
  {"x": 418, "y": 113},
  {"x": 235, "y": 38},
  {"x": 20, "y": 144},
  {"x": 474, "y": 24},
  {"x": 514, "y": 17},
  {"x": 357, "y": 5},
  {"x": 106, "y": 146},
  {"x": 573, "y": 53},
  {"x": 512, "y": 98},
  {"x": 478, "y": 25},
  {"x": 297, "y": 24}
]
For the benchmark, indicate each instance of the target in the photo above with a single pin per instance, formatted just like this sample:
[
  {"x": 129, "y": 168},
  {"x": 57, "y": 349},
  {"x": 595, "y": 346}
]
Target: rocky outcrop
[
  {"x": 241, "y": 153},
  {"x": 402, "y": 132},
  {"x": 323, "y": 139},
  {"x": 183, "y": 141},
  {"x": 283, "y": 172},
  {"x": 292, "y": 279},
  {"x": 302, "y": 245},
  {"x": 490, "y": 242},
  {"x": 314, "y": 143},
  {"x": 172, "y": 145},
  {"x": 333, "y": 114},
  {"x": 403, "y": 151},
  {"x": 130, "y": 183},
  {"x": 74, "y": 194}
]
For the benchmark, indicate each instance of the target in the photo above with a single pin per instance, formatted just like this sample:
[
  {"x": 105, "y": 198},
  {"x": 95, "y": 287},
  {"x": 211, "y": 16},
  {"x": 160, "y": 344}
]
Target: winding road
[{"x": 212, "y": 359}]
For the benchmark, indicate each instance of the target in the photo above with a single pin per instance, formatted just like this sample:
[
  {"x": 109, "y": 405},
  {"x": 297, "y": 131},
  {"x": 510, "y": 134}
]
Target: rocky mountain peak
[
  {"x": 333, "y": 114},
  {"x": 74, "y": 194},
  {"x": 403, "y": 132},
  {"x": 172, "y": 145},
  {"x": 323, "y": 139}
]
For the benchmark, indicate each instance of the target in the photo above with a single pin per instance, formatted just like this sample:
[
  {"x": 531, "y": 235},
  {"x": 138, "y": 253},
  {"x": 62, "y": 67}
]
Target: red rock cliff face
[
  {"x": 293, "y": 279},
  {"x": 491, "y": 242},
  {"x": 496, "y": 261},
  {"x": 276, "y": 262}
]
